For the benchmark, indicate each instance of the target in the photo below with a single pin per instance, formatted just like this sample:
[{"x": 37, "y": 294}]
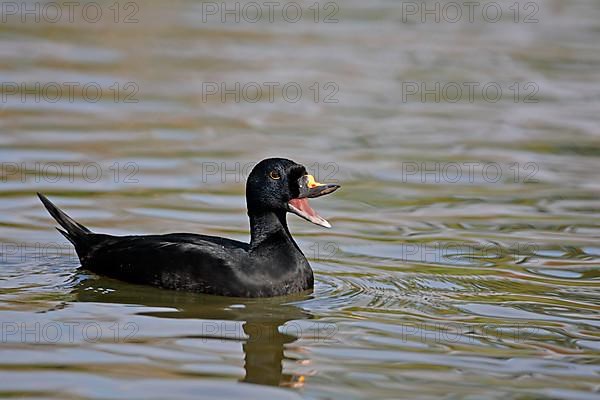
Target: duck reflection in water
[{"x": 264, "y": 341}]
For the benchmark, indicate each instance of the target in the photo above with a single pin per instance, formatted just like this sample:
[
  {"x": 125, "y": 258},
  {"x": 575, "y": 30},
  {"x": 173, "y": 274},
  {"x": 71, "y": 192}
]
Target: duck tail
[{"x": 73, "y": 230}]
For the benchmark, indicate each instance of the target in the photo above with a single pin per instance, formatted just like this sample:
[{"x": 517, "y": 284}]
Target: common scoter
[{"x": 272, "y": 264}]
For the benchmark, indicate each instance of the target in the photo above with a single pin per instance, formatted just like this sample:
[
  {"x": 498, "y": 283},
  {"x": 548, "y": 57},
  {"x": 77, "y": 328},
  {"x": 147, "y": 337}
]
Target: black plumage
[{"x": 271, "y": 264}]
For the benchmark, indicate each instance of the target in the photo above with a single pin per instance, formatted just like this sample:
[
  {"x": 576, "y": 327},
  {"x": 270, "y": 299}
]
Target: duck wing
[
  {"x": 199, "y": 263},
  {"x": 181, "y": 261}
]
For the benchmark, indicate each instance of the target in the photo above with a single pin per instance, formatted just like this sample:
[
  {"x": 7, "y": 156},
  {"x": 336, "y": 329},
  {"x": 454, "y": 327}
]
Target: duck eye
[{"x": 274, "y": 175}]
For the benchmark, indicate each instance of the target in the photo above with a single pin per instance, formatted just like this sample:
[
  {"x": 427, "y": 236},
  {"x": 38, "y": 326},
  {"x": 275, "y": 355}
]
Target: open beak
[{"x": 309, "y": 188}]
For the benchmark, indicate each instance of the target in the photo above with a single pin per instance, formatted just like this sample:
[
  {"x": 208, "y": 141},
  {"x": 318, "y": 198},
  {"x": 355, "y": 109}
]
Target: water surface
[{"x": 463, "y": 259}]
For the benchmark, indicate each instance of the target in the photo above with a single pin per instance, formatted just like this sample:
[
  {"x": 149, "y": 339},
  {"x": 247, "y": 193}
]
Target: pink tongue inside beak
[{"x": 302, "y": 205}]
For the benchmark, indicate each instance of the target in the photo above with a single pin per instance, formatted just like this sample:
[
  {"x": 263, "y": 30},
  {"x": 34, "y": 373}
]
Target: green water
[{"x": 464, "y": 256}]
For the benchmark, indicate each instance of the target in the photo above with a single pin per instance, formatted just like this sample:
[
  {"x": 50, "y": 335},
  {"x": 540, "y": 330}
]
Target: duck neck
[{"x": 270, "y": 228}]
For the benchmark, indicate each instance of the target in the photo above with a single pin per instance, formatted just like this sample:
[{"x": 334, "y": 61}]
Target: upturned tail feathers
[{"x": 73, "y": 230}]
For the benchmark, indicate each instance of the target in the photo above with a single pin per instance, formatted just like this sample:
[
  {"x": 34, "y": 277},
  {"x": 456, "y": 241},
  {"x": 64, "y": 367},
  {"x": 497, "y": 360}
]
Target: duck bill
[{"x": 309, "y": 188}]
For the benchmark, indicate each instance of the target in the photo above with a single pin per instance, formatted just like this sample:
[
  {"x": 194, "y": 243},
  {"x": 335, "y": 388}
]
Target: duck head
[{"x": 280, "y": 185}]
